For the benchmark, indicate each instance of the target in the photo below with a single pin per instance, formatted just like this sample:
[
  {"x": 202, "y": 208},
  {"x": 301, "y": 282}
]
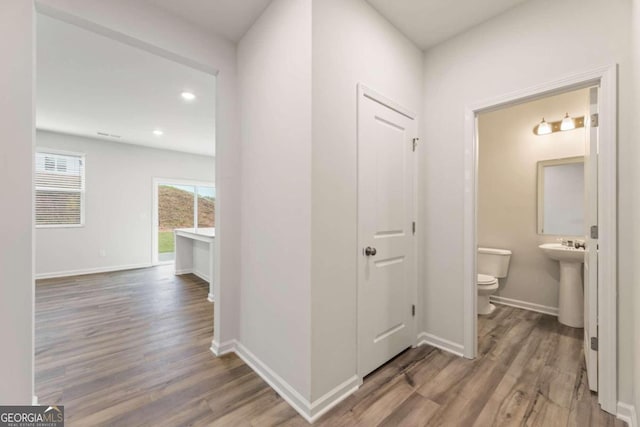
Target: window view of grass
[
  {"x": 176, "y": 210},
  {"x": 165, "y": 242}
]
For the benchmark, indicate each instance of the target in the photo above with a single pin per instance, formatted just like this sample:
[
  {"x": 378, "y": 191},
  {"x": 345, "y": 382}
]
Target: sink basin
[
  {"x": 562, "y": 253},
  {"x": 571, "y": 293}
]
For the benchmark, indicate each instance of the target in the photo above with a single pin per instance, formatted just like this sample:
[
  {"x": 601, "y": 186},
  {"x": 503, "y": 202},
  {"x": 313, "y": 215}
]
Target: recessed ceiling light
[
  {"x": 158, "y": 132},
  {"x": 188, "y": 96}
]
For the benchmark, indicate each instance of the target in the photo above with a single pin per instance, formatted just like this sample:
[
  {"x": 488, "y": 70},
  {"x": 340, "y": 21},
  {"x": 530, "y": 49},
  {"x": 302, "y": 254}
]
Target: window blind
[{"x": 59, "y": 182}]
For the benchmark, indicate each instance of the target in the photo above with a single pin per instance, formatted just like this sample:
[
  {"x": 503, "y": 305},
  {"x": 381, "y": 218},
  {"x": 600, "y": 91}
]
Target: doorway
[
  {"x": 603, "y": 306},
  {"x": 114, "y": 203}
]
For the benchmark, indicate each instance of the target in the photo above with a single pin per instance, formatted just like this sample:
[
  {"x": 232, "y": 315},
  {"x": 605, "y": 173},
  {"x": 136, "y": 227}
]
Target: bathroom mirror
[{"x": 561, "y": 197}]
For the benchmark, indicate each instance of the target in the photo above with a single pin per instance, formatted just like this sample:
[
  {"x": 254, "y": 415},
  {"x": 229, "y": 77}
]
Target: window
[
  {"x": 180, "y": 204},
  {"x": 59, "y": 181}
]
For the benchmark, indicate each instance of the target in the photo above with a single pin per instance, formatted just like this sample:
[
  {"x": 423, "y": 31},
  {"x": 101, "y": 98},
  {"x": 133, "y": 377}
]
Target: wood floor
[{"x": 132, "y": 349}]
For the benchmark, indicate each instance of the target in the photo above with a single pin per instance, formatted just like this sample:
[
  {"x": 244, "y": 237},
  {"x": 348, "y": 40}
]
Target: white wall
[
  {"x": 508, "y": 159},
  {"x": 16, "y": 145},
  {"x": 118, "y": 204},
  {"x": 352, "y": 44},
  {"x": 514, "y": 51},
  {"x": 274, "y": 73}
]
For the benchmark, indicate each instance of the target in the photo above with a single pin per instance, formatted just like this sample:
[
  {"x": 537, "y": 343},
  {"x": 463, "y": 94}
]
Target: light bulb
[
  {"x": 544, "y": 128},
  {"x": 188, "y": 96},
  {"x": 158, "y": 132},
  {"x": 567, "y": 123}
]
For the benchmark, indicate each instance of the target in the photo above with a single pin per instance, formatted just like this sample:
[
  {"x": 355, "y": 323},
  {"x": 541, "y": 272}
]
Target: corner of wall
[{"x": 628, "y": 414}]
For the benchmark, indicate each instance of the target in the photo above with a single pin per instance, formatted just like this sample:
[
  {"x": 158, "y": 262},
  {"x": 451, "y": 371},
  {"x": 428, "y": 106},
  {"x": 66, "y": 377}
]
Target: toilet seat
[{"x": 486, "y": 280}]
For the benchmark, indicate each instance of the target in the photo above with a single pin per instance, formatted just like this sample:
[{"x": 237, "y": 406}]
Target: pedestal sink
[{"x": 571, "y": 294}]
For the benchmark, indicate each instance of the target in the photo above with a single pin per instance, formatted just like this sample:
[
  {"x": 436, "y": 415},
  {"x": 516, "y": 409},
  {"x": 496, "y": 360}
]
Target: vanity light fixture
[
  {"x": 543, "y": 128},
  {"x": 567, "y": 123}
]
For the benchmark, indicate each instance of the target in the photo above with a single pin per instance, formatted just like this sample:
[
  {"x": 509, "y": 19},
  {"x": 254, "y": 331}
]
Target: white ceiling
[
  {"x": 429, "y": 22},
  {"x": 88, "y": 83},
  {"x": 227, "y": 18}
]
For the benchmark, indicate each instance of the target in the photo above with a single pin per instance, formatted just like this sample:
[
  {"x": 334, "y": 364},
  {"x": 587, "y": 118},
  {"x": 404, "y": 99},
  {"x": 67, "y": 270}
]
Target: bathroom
[{"x": 532, "y": 199}]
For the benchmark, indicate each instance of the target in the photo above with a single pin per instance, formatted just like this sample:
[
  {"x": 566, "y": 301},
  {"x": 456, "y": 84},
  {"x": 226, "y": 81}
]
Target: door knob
[{"x": 369, "y": 251}]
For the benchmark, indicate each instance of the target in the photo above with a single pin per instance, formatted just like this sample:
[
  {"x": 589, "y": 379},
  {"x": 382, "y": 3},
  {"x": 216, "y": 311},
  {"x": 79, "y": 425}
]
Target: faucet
[{"x": 579, "y": 244}]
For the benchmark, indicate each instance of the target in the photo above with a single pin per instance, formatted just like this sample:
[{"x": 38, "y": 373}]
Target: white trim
[
  {"x": 329, "y": 400},
  {"x": 544, "y": 309},
  {"x": 283, "y": 388},
  {"x": 627, "y": 413},
  {"x": 201, "y": 275},
  {"x": 96, "y": 270},
  {"x": 310, "y": 411},
  {"x": 61, "y": 15},
  {"x": 367, "y": 92},
  {"x": 608, "y": 241},
  {"x": 211, "y": 298},
  {"x": 606, "y": 78},
  {"x": 46, "y": 150},
  {"x": 34, "y": 400},
  {"x": 441, "y": 343},
  {"x": 221, "y": 349}
]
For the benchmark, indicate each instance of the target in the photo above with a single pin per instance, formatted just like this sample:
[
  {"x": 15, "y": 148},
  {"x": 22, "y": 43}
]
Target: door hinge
[
  {"x": 413, "y": 228},
  {"x": 594, "y": 343},
  {"x": 594, "y": 120},
  {"x": 594, "y": 231},
  {"x": 413, "y": 310},
  {"x": 415, "y": 143}
]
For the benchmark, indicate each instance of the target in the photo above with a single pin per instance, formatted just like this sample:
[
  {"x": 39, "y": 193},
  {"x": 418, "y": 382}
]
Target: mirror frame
[{"x": 540, "y": 190}]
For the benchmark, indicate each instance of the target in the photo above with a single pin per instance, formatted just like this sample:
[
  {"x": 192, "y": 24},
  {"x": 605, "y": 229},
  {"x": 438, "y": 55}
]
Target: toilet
[{"x": 493, "y": 264}]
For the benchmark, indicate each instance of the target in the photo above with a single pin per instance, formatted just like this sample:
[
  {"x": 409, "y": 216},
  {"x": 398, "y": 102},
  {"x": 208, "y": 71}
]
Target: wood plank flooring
[{"x": 132, "y": 349}]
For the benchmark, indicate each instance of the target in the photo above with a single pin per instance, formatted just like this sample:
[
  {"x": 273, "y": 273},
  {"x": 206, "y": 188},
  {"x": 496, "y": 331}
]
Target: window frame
[
  {"x": 83, "y": 190},
  {"x": 156, "y": 183}
]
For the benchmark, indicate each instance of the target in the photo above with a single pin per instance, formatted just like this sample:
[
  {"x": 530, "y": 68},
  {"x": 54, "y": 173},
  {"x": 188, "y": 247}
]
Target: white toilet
[{"x": 493, "y": 264}]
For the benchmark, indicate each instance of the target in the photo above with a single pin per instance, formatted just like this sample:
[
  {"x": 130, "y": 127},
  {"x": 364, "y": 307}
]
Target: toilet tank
[{"x": 494, "y": 262}]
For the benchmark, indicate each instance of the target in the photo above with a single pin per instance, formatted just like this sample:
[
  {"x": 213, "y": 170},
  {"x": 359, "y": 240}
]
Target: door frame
[
  {"x": 606, "y": 78},
  {"x": 79, "y": 21},
  {"x": 154, "y": 210},
  {"x": 364, "y": 91}
]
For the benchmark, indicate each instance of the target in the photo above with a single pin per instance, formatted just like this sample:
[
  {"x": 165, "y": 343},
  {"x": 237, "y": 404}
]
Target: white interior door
[
  {"x": 591, "y": 256},
  {"x": 386, "y": 275}
]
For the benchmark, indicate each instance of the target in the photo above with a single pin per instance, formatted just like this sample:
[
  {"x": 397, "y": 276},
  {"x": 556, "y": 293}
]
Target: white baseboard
[
  {"x": 210, "y": 298},
  {"x": 627, "y": 413},
  {"x": 288, "y": 393},
  {"x": 82, "y": 272},
  {"x": 184, "y": 271},
  {"x": 310, "y": 411},
  {"x": 441, "y": 343},
  {"x": 34, "y": 400},
  {"x": 201, "y": 275},
  {"x": 325, "y": 403},
  {"x": 553, "y": 311},
  {"x": 224, "y": 348}
]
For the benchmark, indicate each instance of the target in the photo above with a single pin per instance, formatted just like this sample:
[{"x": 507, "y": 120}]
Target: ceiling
[
  {"x": 425, "y": 22},
  {"x": 429, "y": 22},
  {"x": 88, "y": 83},
  {"x": 227, "y": 18}
]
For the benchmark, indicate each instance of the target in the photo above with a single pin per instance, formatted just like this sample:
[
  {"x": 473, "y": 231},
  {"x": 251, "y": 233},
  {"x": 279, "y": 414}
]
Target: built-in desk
[{"x": 195, "y": 253}]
